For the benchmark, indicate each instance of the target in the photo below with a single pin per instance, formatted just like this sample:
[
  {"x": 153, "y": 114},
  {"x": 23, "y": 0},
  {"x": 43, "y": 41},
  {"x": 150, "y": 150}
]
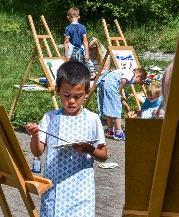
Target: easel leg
[
  {"x": 96, "y": 79},
  {"x": 25, "y": 76},
  {"x": 29, "y": 203},
  {"x": 55, "y": 104},
  {"x": 4, "y": 204}
]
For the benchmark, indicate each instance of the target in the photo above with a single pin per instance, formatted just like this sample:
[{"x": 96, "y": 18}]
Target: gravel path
[
  {"x": 109, "y": 183},
  {"x": 157, "y": 56}
]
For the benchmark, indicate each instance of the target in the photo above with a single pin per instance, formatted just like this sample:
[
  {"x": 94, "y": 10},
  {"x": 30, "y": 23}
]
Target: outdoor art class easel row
[
  {"x": 152, "y": 160},
  {"x": 49, "y": 57},
  {"x": 123, "y": 57}
]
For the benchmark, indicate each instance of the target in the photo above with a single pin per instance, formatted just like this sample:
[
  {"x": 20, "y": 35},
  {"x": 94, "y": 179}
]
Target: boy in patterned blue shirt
[
  {"x": 76, "y": 42},
  {"x": 69, "y": 167}
]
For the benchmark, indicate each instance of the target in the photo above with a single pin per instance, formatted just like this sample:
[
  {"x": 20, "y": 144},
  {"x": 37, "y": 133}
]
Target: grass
[{"x": 16, "y": 48}]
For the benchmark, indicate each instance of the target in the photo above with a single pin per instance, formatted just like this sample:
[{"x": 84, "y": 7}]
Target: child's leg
[
  {"x": 109, "y": 131},
  {"x": 110, "y": 123},
  {"x": 118, "y": 132}
]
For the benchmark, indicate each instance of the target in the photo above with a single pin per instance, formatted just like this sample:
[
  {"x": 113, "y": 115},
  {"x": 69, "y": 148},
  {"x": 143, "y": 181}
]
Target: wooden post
[
  {"x": 167, "y": 139},
  {"x": 4, "y": 205},
  {"x": 49, "y": 33},
  {"x": 120, "y": 32}
]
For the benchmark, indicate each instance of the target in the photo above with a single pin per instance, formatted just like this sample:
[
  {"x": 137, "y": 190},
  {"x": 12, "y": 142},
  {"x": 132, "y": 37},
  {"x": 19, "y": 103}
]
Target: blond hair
[
  {"x": 73, "y": 12},
  {"x": 154, "y": 90},
  {"x": 100, "y": 49},
  {"x": 141, "y": 72}
]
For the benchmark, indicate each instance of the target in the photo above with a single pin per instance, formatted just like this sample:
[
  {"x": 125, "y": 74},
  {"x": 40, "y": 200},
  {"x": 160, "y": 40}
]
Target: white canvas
[
  {"x": 125, "y": 59},
  {"x": 52, "y": 65}
]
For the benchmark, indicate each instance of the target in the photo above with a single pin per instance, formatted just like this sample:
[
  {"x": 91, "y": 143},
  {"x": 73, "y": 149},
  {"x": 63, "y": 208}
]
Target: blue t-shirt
[
  {"x": 75, "y": 32},
  {"x": 147, "y": 104}
]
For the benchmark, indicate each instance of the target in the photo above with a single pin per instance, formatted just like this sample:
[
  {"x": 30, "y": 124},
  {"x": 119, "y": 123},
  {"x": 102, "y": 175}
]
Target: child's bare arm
[
  {"x": 36, "y": 146},
  {"x": 132, "y": 114},
  {"x": 100, "y": 153},
  {"x": 66, "y": 42},
  {"x": 85, "y": 43}
]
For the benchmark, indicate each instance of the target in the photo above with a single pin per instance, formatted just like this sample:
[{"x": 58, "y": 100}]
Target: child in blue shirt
[
  {"x": 151, "y": 103},
  {"x": 76, "y": 42},
  {"x": 109, "y": 87}
]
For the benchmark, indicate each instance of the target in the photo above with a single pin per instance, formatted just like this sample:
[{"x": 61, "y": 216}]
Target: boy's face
[{"x": 72, "y": 97}]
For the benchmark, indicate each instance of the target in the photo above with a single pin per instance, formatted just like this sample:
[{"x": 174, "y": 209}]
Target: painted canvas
[
  {"x": 51, "y": 65},
  {"x": 125, "y": 59}
]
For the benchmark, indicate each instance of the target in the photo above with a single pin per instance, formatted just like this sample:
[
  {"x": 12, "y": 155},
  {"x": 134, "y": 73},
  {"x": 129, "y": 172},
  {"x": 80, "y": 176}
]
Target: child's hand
[
  {"x": 32, "y": 129},
  {"x": 84, "y": 148},
  {"x": 132, "y": 114}
]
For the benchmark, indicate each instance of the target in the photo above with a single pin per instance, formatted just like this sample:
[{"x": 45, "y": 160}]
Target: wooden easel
[
  {"x": 47, "y": 51},
  {"x": 152, "y": 160},
  {"x": 117, "y": 44},
  {"x": 14, "y": 170}
]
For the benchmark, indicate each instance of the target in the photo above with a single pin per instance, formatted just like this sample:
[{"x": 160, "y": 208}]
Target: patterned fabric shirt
[{"x": 73, "y": 191}]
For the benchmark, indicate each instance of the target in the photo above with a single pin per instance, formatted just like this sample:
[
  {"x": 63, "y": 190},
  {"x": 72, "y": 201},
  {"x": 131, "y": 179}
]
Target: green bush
[{"x": 128, "y": 12}]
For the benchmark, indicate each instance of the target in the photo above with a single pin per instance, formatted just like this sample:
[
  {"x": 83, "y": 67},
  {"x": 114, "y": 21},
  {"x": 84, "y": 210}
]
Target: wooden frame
[
  {"x": 14, "y": 170},
  {"x": 152, "y": 160},
  {"x": 45, "y": 47},
  {"x": 118, "y": 44}
]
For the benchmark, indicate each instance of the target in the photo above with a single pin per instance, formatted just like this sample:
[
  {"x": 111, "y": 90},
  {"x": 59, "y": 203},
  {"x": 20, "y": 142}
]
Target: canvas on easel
[
  {"x": 152, "y": 160},
  {"x": 49, "y": 57},
  {"x": 123, "y": 56},
  {"x": 14, "y": 170}
]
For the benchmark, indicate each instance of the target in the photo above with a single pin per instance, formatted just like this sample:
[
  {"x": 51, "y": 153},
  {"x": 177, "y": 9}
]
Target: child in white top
[{"x": 70, "y": 168}]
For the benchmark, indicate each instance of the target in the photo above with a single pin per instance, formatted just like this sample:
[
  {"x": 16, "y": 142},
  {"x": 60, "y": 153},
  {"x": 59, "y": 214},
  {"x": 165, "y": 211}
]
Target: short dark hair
[{"x": 73, "y": 72}]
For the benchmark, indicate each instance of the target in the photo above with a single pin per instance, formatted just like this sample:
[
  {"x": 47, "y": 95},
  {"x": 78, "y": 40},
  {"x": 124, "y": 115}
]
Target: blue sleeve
[
  {"x": 145, "y": 105},
  {"x": 83, "y": 29},
  {"x": 67, "y": 31}
]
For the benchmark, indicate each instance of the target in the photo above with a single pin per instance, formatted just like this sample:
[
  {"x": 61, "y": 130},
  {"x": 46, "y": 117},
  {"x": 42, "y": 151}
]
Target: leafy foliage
[{"x": 128, "y": 12}]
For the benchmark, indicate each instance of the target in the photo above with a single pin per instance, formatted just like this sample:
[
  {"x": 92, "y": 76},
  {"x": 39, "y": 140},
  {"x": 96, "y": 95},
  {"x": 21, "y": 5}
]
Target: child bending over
[
  {"x": 151, "y": 103},
  {"x": 76, "y": 42},
  {"x": 109, "y": 88},
  {"x": 70, "y": 168}
]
